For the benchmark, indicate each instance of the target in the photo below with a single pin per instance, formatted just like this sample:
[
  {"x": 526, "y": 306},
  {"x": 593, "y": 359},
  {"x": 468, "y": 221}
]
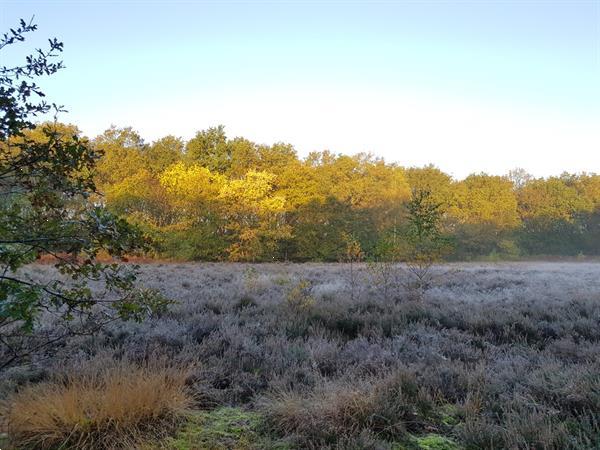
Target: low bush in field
[{"x": 115, "y": 407}]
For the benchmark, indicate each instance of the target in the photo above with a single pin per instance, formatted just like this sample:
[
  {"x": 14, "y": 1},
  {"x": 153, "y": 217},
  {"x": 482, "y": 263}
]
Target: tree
[
  {"x": 275, "y": 158},
  {"x": 46, "y": 186},
  {"x": 193, "y": 194},
  {"x": 15, "y": 98},
  {"x": 254, "y": 217},
  {"x": 141, "y": 199},
  {"x": 353, "y": 255},
  {"x": 244, "y": 157},
  {"x": 123, "y": 153},
  {"x": 554, "y": 212},
  {"x": 209, "y": 149},
  {"x": 486, "y": 212},
  {"x": 163, "y": 153},
  {"x": 424, "y": 243},
  {"x": 433, "y": 180},
  {"x": 519, "y": 178}
]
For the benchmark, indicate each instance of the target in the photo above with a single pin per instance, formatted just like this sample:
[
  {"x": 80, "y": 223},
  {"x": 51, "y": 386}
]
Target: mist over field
[{"x": 338, "y": 225}]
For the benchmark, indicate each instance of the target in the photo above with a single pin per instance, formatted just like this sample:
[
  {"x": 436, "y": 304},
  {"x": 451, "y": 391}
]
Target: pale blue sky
[{"x": 469, "y": 86}]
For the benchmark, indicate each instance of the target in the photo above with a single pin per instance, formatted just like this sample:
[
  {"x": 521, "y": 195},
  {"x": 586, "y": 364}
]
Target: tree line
[{"x": 221, "y": 199}]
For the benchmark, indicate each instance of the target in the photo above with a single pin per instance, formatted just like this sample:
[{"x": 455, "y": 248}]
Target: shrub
[
  {"x": 250, "y": 278},
  {"x": 245, "y": 302},
  {"x": 299, "y": 297},
  {"x": 391, "y": 407},
  {"x": 115, "y": 408},
  {"x": 353, "y": 254},
  {"x": 383, "y": 277}
]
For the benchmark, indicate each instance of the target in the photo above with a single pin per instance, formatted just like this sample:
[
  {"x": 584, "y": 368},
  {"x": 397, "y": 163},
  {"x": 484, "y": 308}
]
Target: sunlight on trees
[{"x": 232, "y": 199}]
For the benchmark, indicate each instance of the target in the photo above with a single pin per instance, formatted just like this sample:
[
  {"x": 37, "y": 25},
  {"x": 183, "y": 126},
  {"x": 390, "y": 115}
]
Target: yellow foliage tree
[
  {"x": 488, "y": 200},
  {"x": 255, "y": 216},
  {"x": 192, "y": 190},
  {"x": 141, "y": 197}
]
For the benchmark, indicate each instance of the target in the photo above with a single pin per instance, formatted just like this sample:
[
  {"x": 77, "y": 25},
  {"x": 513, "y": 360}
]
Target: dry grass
[
  {"x": 389, "y": 406},
  {"x": 113, "y": 408}
]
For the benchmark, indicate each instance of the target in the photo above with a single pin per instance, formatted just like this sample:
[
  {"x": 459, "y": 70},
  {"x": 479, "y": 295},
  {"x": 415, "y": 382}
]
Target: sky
[{"x": 468, "y": 86}]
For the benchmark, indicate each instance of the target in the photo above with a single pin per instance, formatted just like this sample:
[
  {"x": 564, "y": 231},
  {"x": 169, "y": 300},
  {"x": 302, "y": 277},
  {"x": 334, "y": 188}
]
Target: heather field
[{"x": 286, "y": 356}]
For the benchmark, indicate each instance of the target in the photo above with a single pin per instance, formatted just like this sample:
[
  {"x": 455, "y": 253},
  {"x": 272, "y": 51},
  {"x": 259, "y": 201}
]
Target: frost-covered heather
[
  {"x": 513, "y": 349},
  {"x": 477, "y": 282}
]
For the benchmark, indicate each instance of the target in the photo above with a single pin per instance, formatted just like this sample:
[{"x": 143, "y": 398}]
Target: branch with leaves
[{"x": 49, "y": 206}]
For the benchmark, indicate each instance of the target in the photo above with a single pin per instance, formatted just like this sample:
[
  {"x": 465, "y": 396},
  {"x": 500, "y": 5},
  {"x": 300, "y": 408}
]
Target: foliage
[
  {"x": 216, "y": 198},
  {"x": 48, "y": 206},
  {"x": 16, "y": 98},
  {"x": 209, "y": 149},
  {"x": 299, "y": 297},
  {"x": 254, "y": 216},
  {"x": 423, "y": 243}
]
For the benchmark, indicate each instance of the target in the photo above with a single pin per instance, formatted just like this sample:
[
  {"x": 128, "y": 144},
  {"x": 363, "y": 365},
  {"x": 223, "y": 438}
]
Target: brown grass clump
[
  {"x": 117, "y": 407},
  {"x": 389, "y": 406}
]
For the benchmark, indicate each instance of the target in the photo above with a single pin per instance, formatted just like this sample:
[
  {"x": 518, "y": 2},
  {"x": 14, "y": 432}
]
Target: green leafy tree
[
  {"x": 209, "y": 148},
  {"x": 275, "y": 158},
  {"x": 17, "y": 107},
  {"x": 123, "y": 153},
  {"x": 555, "y": 212},
  {"x": 46, "y": 187},
  {"x": 424, "y": 243},
  {"x": 244, "y": 157},
  {"x": 486, "y": 215},
  {"x": 164, "y": 152}
]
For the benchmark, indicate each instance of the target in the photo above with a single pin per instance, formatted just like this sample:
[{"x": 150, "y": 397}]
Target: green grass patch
[
  {"x": 428, "y": 442},
  {"x": 224, "y": 428},
  {"x": 450, "y": 415},
  {"x": 436, "y": 442}
]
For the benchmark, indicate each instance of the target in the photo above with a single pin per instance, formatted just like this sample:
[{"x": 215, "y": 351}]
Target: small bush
[
  {"x": 299, "y": 297},
  {"x": 383, "y": 277},
  {"x": 245, "y": 302},
  {"x": 250, "y": 277},
  {"x": 114, "y": 408}
]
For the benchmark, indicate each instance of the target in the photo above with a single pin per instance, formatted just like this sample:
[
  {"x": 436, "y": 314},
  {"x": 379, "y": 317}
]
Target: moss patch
[
  {"x": 427, "y": 442},
  {"x": 223, "y": 429},
  {"x": 436, "y": 442},
  {"x": 450, "y": 415}
]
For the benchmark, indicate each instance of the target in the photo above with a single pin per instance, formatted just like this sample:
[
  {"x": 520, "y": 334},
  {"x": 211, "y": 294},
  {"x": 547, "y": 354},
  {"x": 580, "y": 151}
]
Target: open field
[{"x": 292, "y": 356}]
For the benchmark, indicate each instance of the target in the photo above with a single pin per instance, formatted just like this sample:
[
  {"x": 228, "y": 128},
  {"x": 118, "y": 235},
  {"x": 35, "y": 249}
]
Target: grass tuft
[
  {"x": 115, "y": 408},
  {"x": 391, "y": 407}
]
